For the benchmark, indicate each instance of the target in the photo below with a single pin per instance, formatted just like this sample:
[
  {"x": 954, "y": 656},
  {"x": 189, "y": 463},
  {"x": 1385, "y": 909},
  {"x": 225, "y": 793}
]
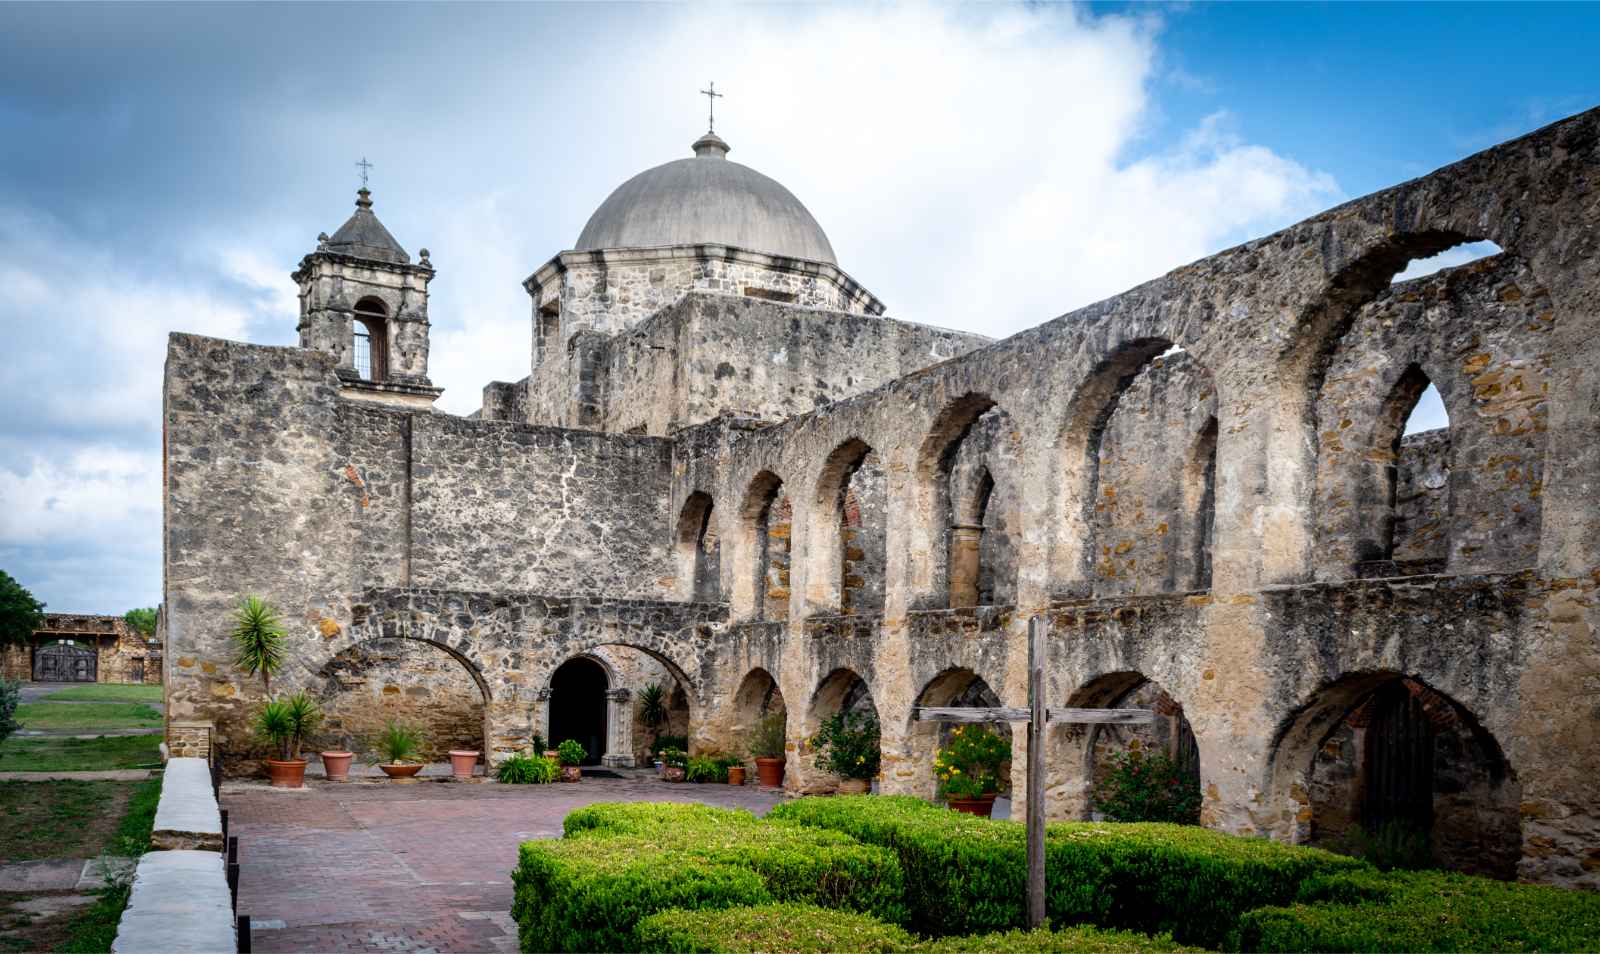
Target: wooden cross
[
  {"x": 363, "y": 165},
  {"x": 1038, "y": 716},
  {"x": 712, "y": 96}
]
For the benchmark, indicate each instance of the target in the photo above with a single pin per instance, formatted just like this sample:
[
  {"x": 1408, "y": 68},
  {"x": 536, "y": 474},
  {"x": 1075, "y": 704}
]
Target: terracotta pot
[
  {"x": 291, "y": 774},
  {"x": 855, "y": 786},
  {"x": 551, "y": 754},
  {"x": 571, "y": 773},
  {"x": 401, "y": 771},
  {"x": 337, "y": 765},
  {"x": 673, "y": 773},
  {"x": 982, "y": 806},
  {"x": 769, "y": 772},
  {"x": 736, "y": 775},
  {"x": 462, "y": 762}
]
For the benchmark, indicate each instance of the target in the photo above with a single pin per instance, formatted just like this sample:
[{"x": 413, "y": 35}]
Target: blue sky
[{"x": 164, "y": 168}]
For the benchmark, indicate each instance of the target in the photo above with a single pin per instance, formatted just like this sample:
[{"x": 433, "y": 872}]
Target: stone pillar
[
  {"x": 965, "y": 543},
  {"x": 619, "y": 729}
]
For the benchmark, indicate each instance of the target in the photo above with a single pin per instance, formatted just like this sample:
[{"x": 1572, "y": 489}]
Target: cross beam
[{"x": 1037, "y": 716}]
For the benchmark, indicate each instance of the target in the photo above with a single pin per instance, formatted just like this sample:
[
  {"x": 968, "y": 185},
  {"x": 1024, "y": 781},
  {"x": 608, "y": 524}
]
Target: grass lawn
[
  {"x": 60, "y": 819},
  {"x": 80, "y": 755},
  {"x": 105, "y": 692},
  {"x": 87, "y": 715}
]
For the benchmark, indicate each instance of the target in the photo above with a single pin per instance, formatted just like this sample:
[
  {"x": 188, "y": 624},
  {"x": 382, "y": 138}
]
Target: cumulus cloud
[{"x": 983, "y": 168}]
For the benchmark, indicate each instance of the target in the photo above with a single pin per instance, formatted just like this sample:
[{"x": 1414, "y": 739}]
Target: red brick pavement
[{"x": 426, "y": 866}]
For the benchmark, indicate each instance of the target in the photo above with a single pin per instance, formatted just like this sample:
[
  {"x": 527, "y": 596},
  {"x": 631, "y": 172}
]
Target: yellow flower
[{"x": 955, "y": 771}]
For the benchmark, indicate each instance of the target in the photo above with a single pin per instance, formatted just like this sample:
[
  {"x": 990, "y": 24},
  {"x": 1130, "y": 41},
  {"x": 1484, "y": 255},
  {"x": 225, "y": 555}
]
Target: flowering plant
[
  {"x": 847, "y": 745},
  {"x": 1148, "y": 787},
  {"x": 969, "y": 766}
]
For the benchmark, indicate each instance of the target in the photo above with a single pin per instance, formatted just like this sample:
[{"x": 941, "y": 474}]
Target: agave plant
[
  {"x": 257, "y": 636},
  {"x": 398, "y": 744},
  {"x": 287, "y": 721}
]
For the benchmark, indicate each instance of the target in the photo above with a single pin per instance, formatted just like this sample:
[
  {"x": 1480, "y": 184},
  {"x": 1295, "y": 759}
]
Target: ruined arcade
[{"x": 731, "y": 474}]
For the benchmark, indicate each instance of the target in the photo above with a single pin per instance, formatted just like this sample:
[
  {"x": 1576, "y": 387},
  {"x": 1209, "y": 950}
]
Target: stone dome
[{"x": 706, "y": 199}]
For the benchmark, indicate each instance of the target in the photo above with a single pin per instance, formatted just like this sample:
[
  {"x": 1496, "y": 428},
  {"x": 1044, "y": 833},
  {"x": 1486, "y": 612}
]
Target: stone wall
[{"x": 403, "y": 680}]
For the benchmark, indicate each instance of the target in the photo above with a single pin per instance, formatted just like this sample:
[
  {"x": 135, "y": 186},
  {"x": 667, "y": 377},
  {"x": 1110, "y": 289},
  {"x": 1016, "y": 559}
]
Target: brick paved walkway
[{"x": 426, "y": 866}]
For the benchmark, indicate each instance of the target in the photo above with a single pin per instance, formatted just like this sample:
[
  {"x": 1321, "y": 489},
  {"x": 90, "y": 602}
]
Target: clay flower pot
[
  {"x": 401, "y": 771},
  {"x": 769, "y": 772},
  {"x": 291, "y": 774},
  {"x": 736, "y": 775},
  {"x": 337, "y": 765},
  {"x": 462, "y": 762},
  {"x": 571, "y": 773},
  {"x": 855, "y": 786},
  {"x": 673, "y": 773},
  {"x": 982, "y": 806}
]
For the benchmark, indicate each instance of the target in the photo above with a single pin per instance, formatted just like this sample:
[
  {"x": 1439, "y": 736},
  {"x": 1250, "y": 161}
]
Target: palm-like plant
[
  {"x": 398, "y": 743},
  {"x": 286, "y": 723},
  {"x": 258, "y": 636},
  {"x": 652, "y": 707}
]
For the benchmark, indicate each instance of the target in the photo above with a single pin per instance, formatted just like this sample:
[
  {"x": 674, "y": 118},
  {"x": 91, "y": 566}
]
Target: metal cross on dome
[
  {"x": 364, "y": 165},
  {"x": 711, "y": 96}
]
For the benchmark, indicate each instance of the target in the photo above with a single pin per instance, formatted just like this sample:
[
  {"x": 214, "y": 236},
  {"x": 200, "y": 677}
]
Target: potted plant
[
  {"x": 285, "y": 723},
  {"x": 527, "y": 770},
  {"x": 968, "y": 769},
  {"x": 673, "y": 761},
  {"x": 767, "y": 743},
  {"x": 847, "y": 746},
  {"x": 462, "y": 762},
  {"x": 736, "y": 773},
  {"x": 652, "y": 708},
  {"x": 399, "y": 749},
  {"x": 571, "y": 755}
]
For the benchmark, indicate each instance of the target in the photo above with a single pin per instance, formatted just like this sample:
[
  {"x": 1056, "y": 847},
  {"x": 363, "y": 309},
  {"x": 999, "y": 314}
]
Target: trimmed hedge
[
  {"x": 967, "y": 875},
  {"x": 805, "y": 929},
  {"x": 620, "y": 863},
  {"x": 1425, "y": 911}
]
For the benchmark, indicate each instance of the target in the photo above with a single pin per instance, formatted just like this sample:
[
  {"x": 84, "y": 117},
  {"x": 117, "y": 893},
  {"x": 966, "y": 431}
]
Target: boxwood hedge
[
  {"x": 967, "y": 875},
  {"x": 804, "y": 929},
  {"x": 1425, "y": 911},
  {"x": 617, "y": 864}
]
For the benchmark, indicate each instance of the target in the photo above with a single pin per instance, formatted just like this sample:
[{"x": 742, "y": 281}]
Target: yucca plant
[
  {"x": 287, "y": 721},
  {"x": 257, "y": 636},
  {"x": 398, "y": 744}
]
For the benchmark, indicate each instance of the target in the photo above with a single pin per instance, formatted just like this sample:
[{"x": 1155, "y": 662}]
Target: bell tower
[{"x": 363, "y": 301}]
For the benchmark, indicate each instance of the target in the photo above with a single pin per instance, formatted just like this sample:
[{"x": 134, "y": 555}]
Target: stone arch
[
  {"x": 699, "y": 551},
  {"x": 1382, "y": 746},
  {"x": 1200, "y": 501},
  {"x": 847, "y": 539},
  {"x": 765, "y": 543},
  {"x": 964, "y": 514},
  {"x": 841, "y": 690},
  {"x": 1087, "y": 748},
  {"x": 757, "y": 697},
  {"x": 370, "y": 339},
  {"x": 955, "y": 686},
  {"x": 419, "y": 681},
  {"x": 578, "y": 705},
  {"x": 1089, "y": 409},
  {"x": 628, "y": 665}
]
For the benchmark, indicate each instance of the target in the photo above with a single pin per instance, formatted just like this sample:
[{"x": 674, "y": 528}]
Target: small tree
[
  {"x": 20, "y": 614},
  {"x": 258, "y": 636},
  {"x": 286, "y": 723},
  {"x": 143, "y": 621},
  {"x": 652, "y": 708},
  {"x": 10, "y": 695}
]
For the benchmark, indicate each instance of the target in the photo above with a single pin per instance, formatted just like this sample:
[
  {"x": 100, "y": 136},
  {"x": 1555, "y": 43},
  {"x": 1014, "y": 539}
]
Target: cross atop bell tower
[{"x": 711, "y": 95}]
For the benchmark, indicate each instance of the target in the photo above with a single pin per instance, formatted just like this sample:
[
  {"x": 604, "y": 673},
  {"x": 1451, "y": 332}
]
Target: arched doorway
[
  {"x": 412, "y": 681},
  {"x": 950, "y": 688},
  {"x": 578, "y": 706}
]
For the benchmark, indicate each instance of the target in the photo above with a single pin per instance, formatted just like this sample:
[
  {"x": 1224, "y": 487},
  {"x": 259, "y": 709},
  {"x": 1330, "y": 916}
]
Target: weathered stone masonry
[{"x": 1222, "y": 530}]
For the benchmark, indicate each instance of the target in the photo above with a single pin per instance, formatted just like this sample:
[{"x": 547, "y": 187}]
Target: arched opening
[
  {"x": 1414, "y": 528},
  {"x": 1152, "y": 479},
  {"x": 965, "y": 493},
  {"x": 757, "y": 698},
  {"x": 842, "y": 690},
  {"x": 1102, "y": 750},
  {"x": 767, "y": 520},
  {"x": 411, "y": 681},
  {"x": 578, "y": 697},
  {"x": 852, "y": 501},
  {"x": 371, "y": 340},
  {"x": 953, "y": 687},
  {"x": 699, "y": 551},
  {"x": 1383, "y": 764}
]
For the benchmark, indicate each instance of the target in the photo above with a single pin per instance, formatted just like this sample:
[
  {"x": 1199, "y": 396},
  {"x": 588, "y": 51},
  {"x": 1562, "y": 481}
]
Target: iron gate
[
  {"x": 62, "y": 661},
  {"x": 1399, "y": 770}
]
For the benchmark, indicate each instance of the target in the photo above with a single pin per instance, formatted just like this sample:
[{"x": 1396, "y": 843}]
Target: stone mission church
[{"x": 729, "y": 474}]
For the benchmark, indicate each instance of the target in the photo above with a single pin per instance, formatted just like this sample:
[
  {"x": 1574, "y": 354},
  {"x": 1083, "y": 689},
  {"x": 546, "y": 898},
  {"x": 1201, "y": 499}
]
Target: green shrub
[
  {"x": 673, "y": 758},
  {"x": 286, "y": 721},
  {"x": 664, "y": 742},
  {"x": 527, "y": 770},
  {"x": 700, "y": 768},
  {"x": 967, "y": 875},
  {"x": 805, "y": 929},
  {"x": 969, "y": 766},
  {"x": 847, "y": 745},
  {"x": 1425, "y": 911},
  {"x": 769, "y": 738},
  {"x": 397, "y": 744},
  {"x": 589, "y": 889},
  {"x": 10, "y": 696},
  {"x": 571, "y": 752},
  {"x": 771, "y": 929},
  {"x": 1397, "y": 844},
  {"x": 1148, "y": 787}
]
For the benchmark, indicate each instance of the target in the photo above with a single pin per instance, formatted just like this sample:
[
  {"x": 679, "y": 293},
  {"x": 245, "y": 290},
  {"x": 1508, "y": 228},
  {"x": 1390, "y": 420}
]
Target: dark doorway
[
  {"x": 63, "y": 661},
  {"x": 1399, "y": 769},
  {"x": 578, "y": 706}
]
